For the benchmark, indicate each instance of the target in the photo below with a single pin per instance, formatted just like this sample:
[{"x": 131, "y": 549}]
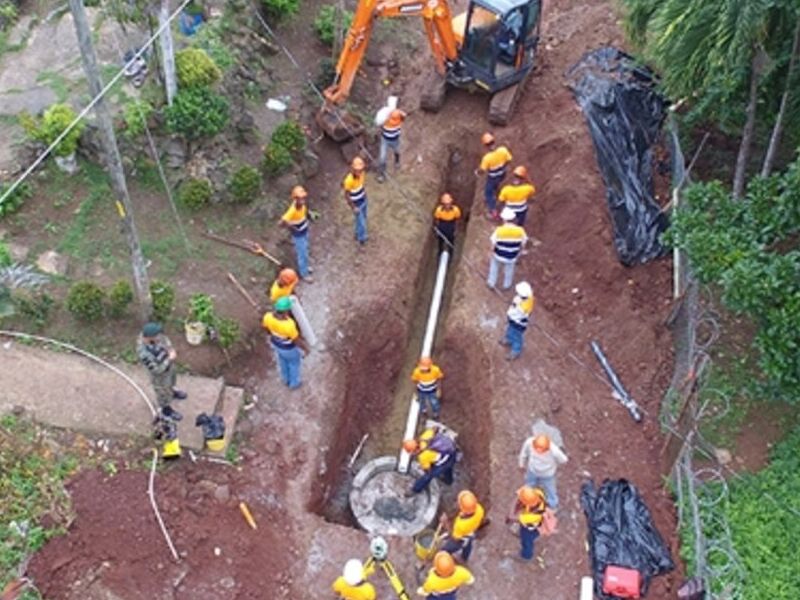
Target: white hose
[{"x": 152, "y": 494}]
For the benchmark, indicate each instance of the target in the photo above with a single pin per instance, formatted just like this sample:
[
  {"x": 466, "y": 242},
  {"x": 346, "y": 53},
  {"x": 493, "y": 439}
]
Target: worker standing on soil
[
  {"x": 539, "y": 458},
  {"x": 156, "y": 353},
  {"x": 445, "y": 578},
  {"x": 436, "y": 455},
  {"x": 286, "y": 341},
  {"x": 517, "y": 194},
  {"x": 528, "y": 510},
  {"x": 428, "y": 377},
  {"x": 356, "y": 196},
  {"x": 445, "y": 218},
  {"x": 390, "y": 139},
  {"x": 296, "y": 220},
  {"x": 469, "y": 520},
  {"x": 353, "y": 584},
  {"x": 493, "y": 165},
  {"x": 507, "y": 241},
  {"x": 284, "y": 286},
  {"x": 518, "y": 316}
]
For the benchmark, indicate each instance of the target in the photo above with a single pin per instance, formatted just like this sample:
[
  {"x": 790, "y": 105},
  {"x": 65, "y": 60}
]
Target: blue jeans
[
  {"x": 385, "y": 146},
  {"x": 521, "y": 216},
  {"x": 490, "y": 192},
  {"x": 429, "y": 399},
  {"x": 301, "y": 249},
  {"x": 289, "y": 361},
  {"x": 361, "y": 223},
  {"x": 508, "y": 272},
  {"x": 548, "y": 485},
  {"x": 514, "y": 338},
  {"x": 527, "y": 536},
  {"x": 443, "y": 472},
  {"x": 464, "y": 546}
]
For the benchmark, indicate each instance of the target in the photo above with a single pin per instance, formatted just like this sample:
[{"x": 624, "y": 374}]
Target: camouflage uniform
[{"x": 156, "y": 359}]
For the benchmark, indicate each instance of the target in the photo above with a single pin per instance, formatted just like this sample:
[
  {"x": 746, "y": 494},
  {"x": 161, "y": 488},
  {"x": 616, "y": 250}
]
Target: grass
[
  {"x": 145, "y": 173},
  {"x": 167, "y": 253},
  {"x": 727, "y": 396},
  {"x": 76, "y": 241},
  {"x": 60, "y": 85}
]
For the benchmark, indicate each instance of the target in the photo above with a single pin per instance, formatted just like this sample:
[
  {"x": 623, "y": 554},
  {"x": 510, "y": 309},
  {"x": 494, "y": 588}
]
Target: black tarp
[
  {"x": 624, "y": 113},
  {"x": 622, "y": 533}
]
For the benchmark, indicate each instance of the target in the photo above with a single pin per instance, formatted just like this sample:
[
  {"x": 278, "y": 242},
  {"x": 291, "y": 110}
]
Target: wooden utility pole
[
  {"x": 112, "y": 158},
  {"x": 167, "y": 52}
]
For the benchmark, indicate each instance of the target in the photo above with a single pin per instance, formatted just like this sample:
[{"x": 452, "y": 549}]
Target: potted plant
[{"x": 201, "y": 318}]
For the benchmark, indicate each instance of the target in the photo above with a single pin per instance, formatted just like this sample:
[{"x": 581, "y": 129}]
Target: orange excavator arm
[{"x": 436, "y": 17}]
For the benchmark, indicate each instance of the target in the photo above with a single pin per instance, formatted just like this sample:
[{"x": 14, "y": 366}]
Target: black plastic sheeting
[
  {"x": 622, "y": 533},
  {"x": 624, "y": 113}
]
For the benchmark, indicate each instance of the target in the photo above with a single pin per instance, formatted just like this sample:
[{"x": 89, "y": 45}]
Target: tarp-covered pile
[
  {"x": 624, "y": 113},
  {"x": 622, "y": 533}
]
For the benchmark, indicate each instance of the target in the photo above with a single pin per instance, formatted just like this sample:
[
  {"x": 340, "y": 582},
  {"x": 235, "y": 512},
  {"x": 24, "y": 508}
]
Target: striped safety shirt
[
  {"x": 436, "y": 586},
  {"x": 427, "y": 381},
  {"x": 282, "y": 332},
  {"x": 297, "y": 219},
  {"x": 495, "y": 162},
  {"x": 508, "y": 240},
  {"x": 391, "y": 128},
  {"x": 516, "y": 197},
  {"x": 354, "y": 186},
  {"x": 520, "y": 311}
]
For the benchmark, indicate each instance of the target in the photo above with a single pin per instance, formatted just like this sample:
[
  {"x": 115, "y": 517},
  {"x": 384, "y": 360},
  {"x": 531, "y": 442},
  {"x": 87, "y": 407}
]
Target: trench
[{"x": 377, "y": 397}]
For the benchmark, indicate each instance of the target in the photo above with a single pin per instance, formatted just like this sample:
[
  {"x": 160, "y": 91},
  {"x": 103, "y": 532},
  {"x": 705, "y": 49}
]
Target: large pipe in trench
[{"x": 427, "y": 346}]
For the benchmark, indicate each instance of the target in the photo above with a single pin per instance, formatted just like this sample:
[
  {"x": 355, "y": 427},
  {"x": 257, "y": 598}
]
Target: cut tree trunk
[{"x": 757, "y": 67}]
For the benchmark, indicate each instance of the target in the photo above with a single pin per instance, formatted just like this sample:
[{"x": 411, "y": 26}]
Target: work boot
[
  {"x": 381, "y": 177},
  {"x": 396, "y": 162},
  {"x": 503, "y": 342},
  {"x": 512, "y": 356},
  {"x": 178, "y": 394},
  {"x": 170, "y": 413},
  {"x": 308, "y": 279}
]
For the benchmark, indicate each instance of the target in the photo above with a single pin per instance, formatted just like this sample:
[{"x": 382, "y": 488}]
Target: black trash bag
[
  {"x": 624, "y": 113},
  {"x": 213, "y": 427},
  {"x": 622, "y": 533}
]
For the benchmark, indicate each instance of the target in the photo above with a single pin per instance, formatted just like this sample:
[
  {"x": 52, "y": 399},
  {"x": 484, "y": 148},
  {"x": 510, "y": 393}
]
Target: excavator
[{"x": 490, "y": 46}]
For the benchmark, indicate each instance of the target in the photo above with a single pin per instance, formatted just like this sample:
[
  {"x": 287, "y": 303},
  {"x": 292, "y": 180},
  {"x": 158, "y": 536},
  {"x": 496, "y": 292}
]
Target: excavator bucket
[{"x": 338, "y": 124}]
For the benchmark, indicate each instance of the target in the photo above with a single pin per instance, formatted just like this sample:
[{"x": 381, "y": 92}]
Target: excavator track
[{"x": 503, "y": 103}]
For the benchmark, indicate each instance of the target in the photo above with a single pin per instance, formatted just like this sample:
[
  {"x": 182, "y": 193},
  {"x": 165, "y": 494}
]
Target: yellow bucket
[
  {"x": 425, "y": 544},
  {"x": 171, "y": 449},
  {"x": 215, "y": 445}
]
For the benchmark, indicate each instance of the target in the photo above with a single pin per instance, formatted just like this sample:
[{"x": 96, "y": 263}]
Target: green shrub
[
  {"x": 290, "y": 135},
  {"x": 135, "y": 114},
  {"x": 195, "y": 68},
  {"x": 17, "y": 198},
  {"x": 244, "y": 184},
  {"x": 277, "y": 160},
  {"x": 280, "y": 9},
  {"x": 35, "y": 307},
  {"x": 194, "y": 194},
  {"x": 209, "y": 38},
  {"x": 120, "y": 297},
  {"x": 51, "y": 125},
  {"x": 328, "y": 18},
  {"x": 228, "y": 332},
  {"x": 8, "y": 14},
  {"x": 85, "y": 301},
  {"x": 5, "y": 255},
  {"x": 163, "y": 296},
  {"x": 201, "y": 310},
  {"x": 197, "y": 112}
]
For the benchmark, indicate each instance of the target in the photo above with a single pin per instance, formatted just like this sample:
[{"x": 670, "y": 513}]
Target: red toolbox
[{"x": 622, "y": 582}]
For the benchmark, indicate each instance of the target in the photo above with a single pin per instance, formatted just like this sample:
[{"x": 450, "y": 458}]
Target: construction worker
[
  {"x": 469, "y": 520},
  {"x": 493, "y": 165},
  {"x": 390, "y": 139},
  {"x": 286, "y": 341},
  {"x": 296, "y": 220},
  {"x": 428, "y": 377},
  {"x": 518, "y": 193},
  {"x": 156, "y": 353},
  {"x": 356, "y": 196},
  {"x": 539, "y": 459},
  {"x": 445, "y": 578},
  {"x": 284, "y": 285},
  {"x": 436, "y": 455},
  {"x": 352, "y": 584},
  {"x": 445, "y": 218},
  {"x": 528, "y": 510},
  {"x": 517, "y": 318},
  {"x": 507, "y": 241}
]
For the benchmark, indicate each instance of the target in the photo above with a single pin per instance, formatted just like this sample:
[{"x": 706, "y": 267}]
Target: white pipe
[
  {"x": 587, "y": 588},
  {"x": 427, "y": 346}
]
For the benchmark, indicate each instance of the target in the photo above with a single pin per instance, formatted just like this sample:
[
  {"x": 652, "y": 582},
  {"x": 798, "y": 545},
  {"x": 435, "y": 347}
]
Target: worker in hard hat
[
  {"x": 445, "y": 578},
  {"x": 296, "y": 220},
  {"x": 528, "y": 510},
  {"x": 356, "y": 196},
  {"x": 284, "y": 286},
  {"x": 518, "y": 194},
  {"x": 352, "y": 584},
  {"x": 390, "y": 140},
  {"x": 468, "y": 521},
  {"x": 288, "y": 344},
  {"x": 436, "y": 454},
  {"x": 517, "y": 318},
  {"x": 156, "y": 353},
  {"x": 507, "y": 241},
  {"x": 493, "y": 164},
  {"x": 445, "y": 219},
  {"x": 428, "y": 378},
  {"x": 539, "y": 459}
]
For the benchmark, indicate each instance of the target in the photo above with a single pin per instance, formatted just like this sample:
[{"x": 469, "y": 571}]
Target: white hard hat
[
  {"x": 353, "y": 572},
  {"x": 524, "y": 289},
  {"x": 507, "y": 214}
]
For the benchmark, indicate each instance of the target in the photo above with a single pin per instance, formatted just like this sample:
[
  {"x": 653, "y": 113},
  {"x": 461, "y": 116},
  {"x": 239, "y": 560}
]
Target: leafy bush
[
  {"x": 8, "y": 14},
  {"x": 209, "y": 38},
  {"x": 35, "y": 307},
  {"x": 5, "y": 255},
  {"x": 290, "y": 135},
  {"x": 120, "y": 297},
  {"x": 195, "y": 68},
  {"x": 51, "y": 125},
  {"x": 194, "y": 194},
  {"x": 244, "y": 184},
  {"x": 228, "y": 332},
  {"x": 197, "y": 112},
  {"x": 85, "y": 301},
  {"x": 17, "y": 198},
  {"x": 163, "y": 296},
  {"x": 277, "y": 160},
  {"x": 135, "y": 114},
  {"x": 280, "y": 9},
  {"x": 328, "y": 18},
  {"x": 201, "y": 310}
]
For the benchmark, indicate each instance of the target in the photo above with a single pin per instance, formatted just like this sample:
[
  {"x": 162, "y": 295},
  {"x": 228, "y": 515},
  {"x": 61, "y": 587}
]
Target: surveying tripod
[{"x": 379, "y": 549}]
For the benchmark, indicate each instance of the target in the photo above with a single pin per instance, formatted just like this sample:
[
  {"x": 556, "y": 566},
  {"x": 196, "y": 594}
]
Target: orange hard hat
[
  {"x": 487, "y": 138},
  {"x": 287, "y": 276},
  {"x": 299, "y": 191},
  {"x": 530, "y": 497},
  {"x": 425, "y": 362},
  {"x": 359, "y": 164},
  {"x": 443, "y": 564},
  {"x": 397, "y": 114},
  {"x": 446, "y": 199},
  {"x": 541, "y": 443},
  {"x": 467, "y": 502},
  {"x": 521, "y": 172},
  {"x": 410, "y": 446}
]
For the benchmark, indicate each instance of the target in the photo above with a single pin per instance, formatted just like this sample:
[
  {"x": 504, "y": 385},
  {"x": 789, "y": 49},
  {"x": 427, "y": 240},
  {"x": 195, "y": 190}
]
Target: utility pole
[
  {"x": 167, "y": 52},
  {"x": 112, "y": 158}
]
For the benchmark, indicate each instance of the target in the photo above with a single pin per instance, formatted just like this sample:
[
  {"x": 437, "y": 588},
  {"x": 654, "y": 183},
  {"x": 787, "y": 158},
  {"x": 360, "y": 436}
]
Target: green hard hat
[
  {"x": 152, "y": 329},
  {"x": 283, "y": 304}
]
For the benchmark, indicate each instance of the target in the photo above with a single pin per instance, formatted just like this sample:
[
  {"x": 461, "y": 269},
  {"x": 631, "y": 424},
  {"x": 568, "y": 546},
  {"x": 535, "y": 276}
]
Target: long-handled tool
[
  {"x": 250, "y": 246},
  {"x": 240, "y": 288}
]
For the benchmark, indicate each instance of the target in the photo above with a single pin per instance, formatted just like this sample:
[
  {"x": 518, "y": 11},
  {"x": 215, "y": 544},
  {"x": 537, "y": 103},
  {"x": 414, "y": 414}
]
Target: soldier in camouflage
[{"x": 156, "y": 353}]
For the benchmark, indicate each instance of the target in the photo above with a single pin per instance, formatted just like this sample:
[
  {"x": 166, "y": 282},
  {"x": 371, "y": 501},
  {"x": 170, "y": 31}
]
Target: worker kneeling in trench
[{"x": 436, "y": 454}]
